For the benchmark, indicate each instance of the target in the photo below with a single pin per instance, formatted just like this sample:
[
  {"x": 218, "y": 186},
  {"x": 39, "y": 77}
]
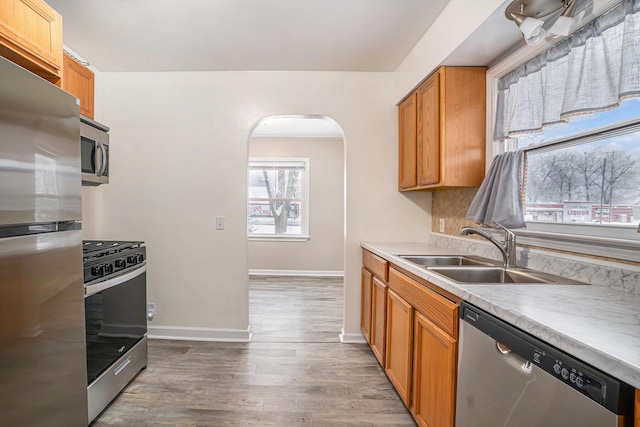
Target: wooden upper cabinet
[
  {"x": 78, "y": 80},
  {"x": 450, "y": 111},
  {"x": 428, "y": 143},
  {"x": 31, "y": 36},
  {"x": 407, "y": 122}
]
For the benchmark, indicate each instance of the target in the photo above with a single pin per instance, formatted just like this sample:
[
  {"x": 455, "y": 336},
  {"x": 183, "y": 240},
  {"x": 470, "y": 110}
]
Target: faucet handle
[{"x": 508, "y": 234}]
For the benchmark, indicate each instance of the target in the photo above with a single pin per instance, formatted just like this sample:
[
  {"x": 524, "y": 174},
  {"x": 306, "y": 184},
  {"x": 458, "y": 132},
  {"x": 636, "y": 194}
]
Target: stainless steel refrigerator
[{"x": 43, "y": 379}]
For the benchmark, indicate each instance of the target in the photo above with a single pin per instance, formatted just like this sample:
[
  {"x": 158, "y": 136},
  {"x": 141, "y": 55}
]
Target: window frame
[
  {"x": 557, "y": 236},
  {"x": 304, "y": 225}
]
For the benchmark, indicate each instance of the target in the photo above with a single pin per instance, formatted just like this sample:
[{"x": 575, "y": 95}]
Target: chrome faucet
[{"x": 507, "y": 249}]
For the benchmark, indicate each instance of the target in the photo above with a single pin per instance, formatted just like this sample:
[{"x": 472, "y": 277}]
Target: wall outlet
[
  {"x": 151, "y": 310},
  {"x": 219, "y": 223},
  {"x": 442, "y": 225}
]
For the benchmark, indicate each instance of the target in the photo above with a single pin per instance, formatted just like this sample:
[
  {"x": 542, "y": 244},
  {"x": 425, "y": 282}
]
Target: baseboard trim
[
  {"x": 199, "y": 334},
  {"x": 356, "y": 338},
  {"x": 300, "y": 273}
]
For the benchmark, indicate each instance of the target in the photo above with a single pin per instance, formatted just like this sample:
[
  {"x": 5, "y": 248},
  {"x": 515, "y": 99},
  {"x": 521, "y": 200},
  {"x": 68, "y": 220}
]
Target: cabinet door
[
  {"x": 637, "y": 409},
  {"x": 407, "y": 127},
  {"x": 31, "y": 36},
  {"x": 434, "y": 370},
  {"x": 378, "y": 319},
  {"x": 428, "y": 142},
  {"x": 78, "y": 80},
  {"x": 365, "y": 304},
  {"x": 399, "y": 344}
]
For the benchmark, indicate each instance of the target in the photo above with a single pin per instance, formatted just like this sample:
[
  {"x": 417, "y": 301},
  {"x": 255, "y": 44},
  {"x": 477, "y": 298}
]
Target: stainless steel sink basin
[
  {"x": 452, "y": 260},
  {"x": 498, "y": 275}
]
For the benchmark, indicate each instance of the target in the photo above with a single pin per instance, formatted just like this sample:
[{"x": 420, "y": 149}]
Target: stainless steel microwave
[{"x": 94, "y": 140}]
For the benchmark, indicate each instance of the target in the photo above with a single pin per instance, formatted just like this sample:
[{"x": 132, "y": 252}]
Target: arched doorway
[{"x": 296, "y": 224}]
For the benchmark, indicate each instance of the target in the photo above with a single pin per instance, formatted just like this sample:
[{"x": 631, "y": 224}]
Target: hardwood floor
[{"x": 294, "y": 372}]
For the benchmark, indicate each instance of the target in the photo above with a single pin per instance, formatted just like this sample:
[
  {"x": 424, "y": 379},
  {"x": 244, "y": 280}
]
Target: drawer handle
[{"x": 121, "y": 367}]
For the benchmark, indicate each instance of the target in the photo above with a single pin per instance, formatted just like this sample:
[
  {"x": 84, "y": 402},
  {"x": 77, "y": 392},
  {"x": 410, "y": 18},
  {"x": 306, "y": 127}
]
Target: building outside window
[
  {"x": 586, "y": 171},
  {"x": 278, "y": 198}
]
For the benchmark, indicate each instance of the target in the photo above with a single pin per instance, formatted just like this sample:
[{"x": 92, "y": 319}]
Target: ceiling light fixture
[{"x": 532, "y": 15}]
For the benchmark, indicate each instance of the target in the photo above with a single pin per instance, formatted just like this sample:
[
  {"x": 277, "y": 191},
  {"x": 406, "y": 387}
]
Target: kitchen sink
[
  {"x": 498, "y": 275},
  {"x": 448, "y": 260}
]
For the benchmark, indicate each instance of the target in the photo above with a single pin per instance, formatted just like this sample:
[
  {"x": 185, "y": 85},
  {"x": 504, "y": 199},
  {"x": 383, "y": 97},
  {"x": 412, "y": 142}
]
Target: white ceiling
[{"x": 215, "y": 35}]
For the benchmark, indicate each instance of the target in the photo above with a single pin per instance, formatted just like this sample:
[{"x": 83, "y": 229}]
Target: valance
[{"x": 591, "y": 70}]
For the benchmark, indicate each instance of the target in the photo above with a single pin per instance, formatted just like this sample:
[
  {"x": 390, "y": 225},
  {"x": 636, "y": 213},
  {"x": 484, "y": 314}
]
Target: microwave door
[{"x": 91, "y": 159}]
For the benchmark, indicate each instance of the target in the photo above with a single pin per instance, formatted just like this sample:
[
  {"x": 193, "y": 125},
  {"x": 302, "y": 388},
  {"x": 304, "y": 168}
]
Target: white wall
[
  {"x": 180, "y": 139},
  {"x": 324, "y": 251},
  {"x": 458, "y": 20},
  {"x": 179, "y": 157}
]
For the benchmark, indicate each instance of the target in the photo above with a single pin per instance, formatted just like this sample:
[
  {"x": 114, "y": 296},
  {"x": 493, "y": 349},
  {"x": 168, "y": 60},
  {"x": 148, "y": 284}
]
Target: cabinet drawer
[
  {"x": 435, "y": 307},
  {"x": 376, "y": 265}
]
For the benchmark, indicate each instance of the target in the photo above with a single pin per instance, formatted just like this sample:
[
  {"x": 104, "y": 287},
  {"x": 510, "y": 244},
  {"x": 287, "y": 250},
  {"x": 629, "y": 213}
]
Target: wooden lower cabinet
[
  {"x": 399, "y": 345},
  {"x": 434, "y": 367},
  {"x": 637, "y": 409},
  {"x": 365, "y": 307},
  {"x": 378, "y": 319}
]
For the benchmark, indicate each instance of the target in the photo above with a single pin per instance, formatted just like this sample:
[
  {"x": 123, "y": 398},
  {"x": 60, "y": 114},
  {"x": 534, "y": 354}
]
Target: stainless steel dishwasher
[{"x": 508, "y": 378}]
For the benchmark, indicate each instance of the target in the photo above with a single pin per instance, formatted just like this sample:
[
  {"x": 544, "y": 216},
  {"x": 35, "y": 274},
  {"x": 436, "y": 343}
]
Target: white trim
[
  {"x": 356, "y": 338},
  {"x": 628, "y": 250},
  {"x": 199, "y": 334},
  {"x": 300, "y": 273},
  {"x": 278, "y": 238}
]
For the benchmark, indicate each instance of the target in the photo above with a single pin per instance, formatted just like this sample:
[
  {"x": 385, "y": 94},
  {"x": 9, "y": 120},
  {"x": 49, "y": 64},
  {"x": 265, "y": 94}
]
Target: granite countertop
[{"x": 596, "y": 324}]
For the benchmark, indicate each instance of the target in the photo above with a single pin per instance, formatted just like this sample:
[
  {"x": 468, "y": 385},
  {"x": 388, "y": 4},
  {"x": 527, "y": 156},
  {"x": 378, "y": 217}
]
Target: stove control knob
[
  {"x": 140, "y": 258},
  {"x": 97, "y": 270},
  {"x": 579, "y": 382},
  {"x": 557, "y": 369},
  {"x": 132, "y": 259},
  {"x": 108, "y": 268},
  {"x": 121, "y": 263},
  {"x": 565, "y": 373}
]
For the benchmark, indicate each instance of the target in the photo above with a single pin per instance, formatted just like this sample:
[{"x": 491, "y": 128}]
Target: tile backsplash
[{"x": 452, "y": 206}]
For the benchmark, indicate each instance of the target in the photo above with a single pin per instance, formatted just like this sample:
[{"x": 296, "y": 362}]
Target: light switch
[{"x": 219, "y": 223}]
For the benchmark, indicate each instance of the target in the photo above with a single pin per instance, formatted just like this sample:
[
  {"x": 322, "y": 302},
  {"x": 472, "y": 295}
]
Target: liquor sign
[{"x": 576, "y": 211}]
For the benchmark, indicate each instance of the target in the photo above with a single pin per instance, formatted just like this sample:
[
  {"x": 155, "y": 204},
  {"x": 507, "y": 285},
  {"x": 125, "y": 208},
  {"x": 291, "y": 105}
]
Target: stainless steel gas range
[{"x": 116, "y": 318}]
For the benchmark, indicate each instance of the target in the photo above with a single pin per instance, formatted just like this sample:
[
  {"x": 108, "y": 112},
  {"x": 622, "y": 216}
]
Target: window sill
[
  {"x": 622, "y": 249},
  {"x": 279, "y": 238}
]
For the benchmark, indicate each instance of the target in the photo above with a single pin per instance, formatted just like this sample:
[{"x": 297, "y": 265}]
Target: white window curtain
[{"x": 591, "y": 70}]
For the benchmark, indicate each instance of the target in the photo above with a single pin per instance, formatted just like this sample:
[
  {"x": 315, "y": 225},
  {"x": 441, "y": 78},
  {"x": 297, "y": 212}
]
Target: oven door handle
[{"x": 98, "y": 287}]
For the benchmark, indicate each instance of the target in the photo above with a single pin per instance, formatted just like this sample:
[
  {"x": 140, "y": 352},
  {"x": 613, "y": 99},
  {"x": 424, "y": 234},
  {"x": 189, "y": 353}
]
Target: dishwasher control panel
[{"x": 569, "y": 373}]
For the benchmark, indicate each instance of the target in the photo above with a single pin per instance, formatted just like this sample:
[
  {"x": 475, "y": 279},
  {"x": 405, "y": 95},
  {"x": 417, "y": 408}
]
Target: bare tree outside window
[
  {"x": 592, "y": 182},
  {"x": 277, "y": 198}
]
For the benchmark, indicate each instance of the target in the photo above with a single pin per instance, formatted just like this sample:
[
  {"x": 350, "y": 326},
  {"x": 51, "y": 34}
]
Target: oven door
[{"x": 116, "y": 318}]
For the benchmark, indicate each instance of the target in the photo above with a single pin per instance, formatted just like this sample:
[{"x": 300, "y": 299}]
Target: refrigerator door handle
[{"x": 99, "y": 287}]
